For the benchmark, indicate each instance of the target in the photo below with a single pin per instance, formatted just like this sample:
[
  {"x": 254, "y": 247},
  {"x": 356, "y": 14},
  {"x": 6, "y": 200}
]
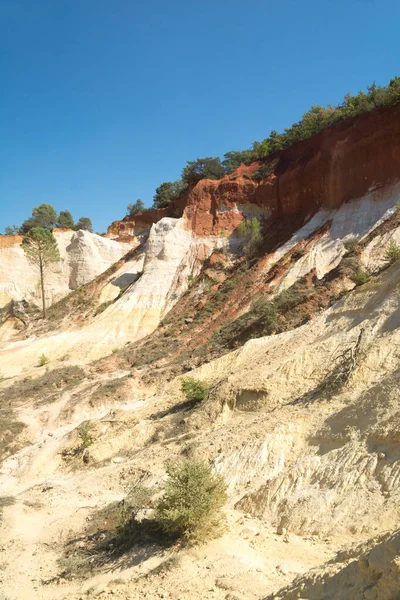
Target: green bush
[
  {"x": 250, "y": 230},
  {"x": 43, "y": 360},
  {"x": 85, "y": 434},
  {"x": 392, "y": 252},
  {"x": 360, "y": 278},
  {"x": 191, "y": 506},
  {"x": 194, "y": 389}
]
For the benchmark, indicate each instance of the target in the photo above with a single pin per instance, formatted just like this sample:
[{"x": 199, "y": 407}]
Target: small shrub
[
  {"x": 137, "y": 499},
  {"x": 102, "y": 307},
  {"x": 392, "y": 252},
  {"x": 194, "y": 389},
  {"x": 114, "y": 351},
  {"x": 265, "y": 310},
  {"x": 190, "y": 277},
  {"x": 351, "y": 244},
  {"x": 85, "y": 431},
  {"x": 191, "y": 507},
  {"x": 43, "y": 360},
  {"x": 360, "y": 278},
  {"x": 250, "y": 230}
]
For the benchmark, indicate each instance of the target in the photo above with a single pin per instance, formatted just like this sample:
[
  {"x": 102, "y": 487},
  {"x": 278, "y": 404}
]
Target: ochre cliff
[{"x": 342, "y": 163}]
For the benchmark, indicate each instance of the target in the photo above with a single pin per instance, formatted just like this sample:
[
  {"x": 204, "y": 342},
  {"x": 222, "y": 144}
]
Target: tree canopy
[
  {"x": 65, "y": 220},
  {"x": 135, "y": 207},
  {"x": 43, "y": 216},
  {"x": 202, "y": 168},
  {"x": 84, "y": 223},
  {"x": 167, "y": 192}
]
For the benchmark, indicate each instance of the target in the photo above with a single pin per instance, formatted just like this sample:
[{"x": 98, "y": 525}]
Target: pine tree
[{"x": 40, "y": 247}]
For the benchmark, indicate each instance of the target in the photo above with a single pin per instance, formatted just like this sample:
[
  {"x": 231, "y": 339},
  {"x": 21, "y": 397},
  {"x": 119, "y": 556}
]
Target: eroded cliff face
[
  {"x": 84, "y": 255},
  {"x": 346, "y": 161}
]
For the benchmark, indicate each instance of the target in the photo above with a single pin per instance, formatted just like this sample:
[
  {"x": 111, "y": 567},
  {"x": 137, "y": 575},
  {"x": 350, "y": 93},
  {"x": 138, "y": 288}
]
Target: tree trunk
[{"x": 42, "y": 286}]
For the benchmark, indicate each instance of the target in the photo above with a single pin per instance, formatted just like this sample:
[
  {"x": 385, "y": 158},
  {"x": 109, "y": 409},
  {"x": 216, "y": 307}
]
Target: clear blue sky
[{"x": 102, "y": 100}]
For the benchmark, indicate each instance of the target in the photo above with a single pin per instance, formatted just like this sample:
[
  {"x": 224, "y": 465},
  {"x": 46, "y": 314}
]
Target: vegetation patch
[
  {"x": 250, "y": 231},
  {"x": 392, "y": 252},
  {"x": 191, "y": 507},
  {"x": 189, "y": 511},
  {"x": 194, "y": 389},
  {"x": 44, "y": 387}
]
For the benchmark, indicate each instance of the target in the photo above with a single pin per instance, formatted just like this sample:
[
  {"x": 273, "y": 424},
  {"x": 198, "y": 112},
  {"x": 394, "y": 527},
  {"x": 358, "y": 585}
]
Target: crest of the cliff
[{"x": 343, "y": 162}]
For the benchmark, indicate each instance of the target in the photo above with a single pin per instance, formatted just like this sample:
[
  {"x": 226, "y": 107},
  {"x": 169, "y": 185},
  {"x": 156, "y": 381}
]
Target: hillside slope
[{"x": 299, "y": 345}]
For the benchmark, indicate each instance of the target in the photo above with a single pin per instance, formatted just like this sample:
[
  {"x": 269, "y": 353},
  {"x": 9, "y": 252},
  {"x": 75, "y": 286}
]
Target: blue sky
[{"x": 102, "y": 100}]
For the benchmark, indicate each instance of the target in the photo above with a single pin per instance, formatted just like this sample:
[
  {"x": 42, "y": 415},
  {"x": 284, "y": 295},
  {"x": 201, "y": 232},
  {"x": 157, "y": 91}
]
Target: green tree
[
  {"x": 135, "y": 207},
  {"x": 394, "y": 90},
  {"x": 202, "y": 168},
  {"x": 12, "y": 230},
  {"x": 192, "y": 502},
  {"x": 84, "y": 223},
  {"x": 250, "y": 230},
  {"x": 233, "y": 160},
  {"x": 167, "y": 192},
  {"x": 65, "y": 220},
  {"x": 40, "y": 247},
  {"x": 43, "y": 216}
]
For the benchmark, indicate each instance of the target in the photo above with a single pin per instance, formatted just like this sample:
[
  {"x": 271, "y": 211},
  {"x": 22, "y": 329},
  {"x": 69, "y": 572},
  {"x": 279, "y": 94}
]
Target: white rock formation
[
  {"x": 84, "y": 255},
  {"x": 172, "y": 253},
  {"x": 354, "y": 219}
]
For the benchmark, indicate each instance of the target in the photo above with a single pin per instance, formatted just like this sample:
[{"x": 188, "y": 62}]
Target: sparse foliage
[
  {"x": 267, "y": 311},
  {"x": 392, "y": 252},
  {"x": 85, "y": 434},
  {"x": 194, "y": 389},
  {"x": 14, "y": 229},
  {"x": 191, "y": 506},
  {"x": 361, "y": 277},
  {"x": 43, "y": 360},
  {"x": 40, "y": 247}
]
